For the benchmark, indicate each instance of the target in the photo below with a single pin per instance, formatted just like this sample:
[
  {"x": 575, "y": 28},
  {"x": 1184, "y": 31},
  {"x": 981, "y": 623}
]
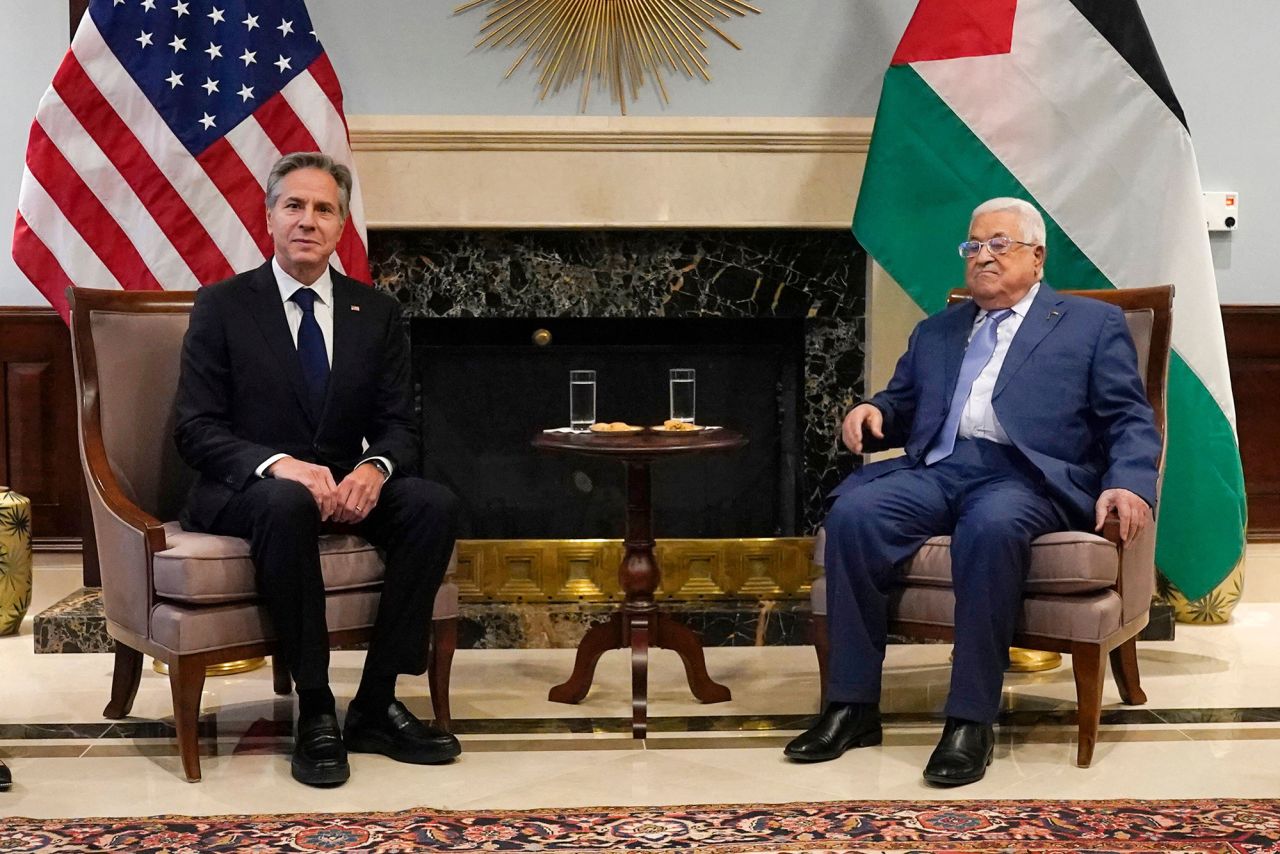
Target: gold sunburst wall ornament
[{"x": 618, "y": 43}]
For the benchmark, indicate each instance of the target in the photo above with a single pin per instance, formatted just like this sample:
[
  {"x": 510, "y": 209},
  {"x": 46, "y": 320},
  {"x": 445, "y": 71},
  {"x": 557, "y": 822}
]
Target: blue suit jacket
[{"x": 1068, "y": 396}]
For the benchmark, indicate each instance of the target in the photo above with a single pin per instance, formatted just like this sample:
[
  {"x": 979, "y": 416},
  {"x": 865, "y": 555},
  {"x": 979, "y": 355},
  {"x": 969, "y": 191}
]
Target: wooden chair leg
[
  {"x": 444, "y": 642},
  {"x": 124, "y": 682},
  {"x": 186, "y": 682},
  {"x": 822, "y": 647},
  {"x": 280, "y": 678},
  {"x": 1124, "y": 667},
  {"x": 1090, "y": 669}
]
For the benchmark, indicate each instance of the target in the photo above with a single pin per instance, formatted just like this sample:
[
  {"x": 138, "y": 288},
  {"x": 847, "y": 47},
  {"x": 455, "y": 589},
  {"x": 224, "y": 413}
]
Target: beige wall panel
[{"x": 891, "y": 315}]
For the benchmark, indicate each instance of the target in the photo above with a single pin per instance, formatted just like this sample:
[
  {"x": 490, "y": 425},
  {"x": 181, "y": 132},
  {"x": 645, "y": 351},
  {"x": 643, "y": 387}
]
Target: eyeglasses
[{"x": 996, "y": 246}]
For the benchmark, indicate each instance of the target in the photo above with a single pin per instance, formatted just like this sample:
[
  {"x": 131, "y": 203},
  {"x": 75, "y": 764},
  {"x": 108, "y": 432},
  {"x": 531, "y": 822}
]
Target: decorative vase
[
  {"x": 15, "y": 559},
  {"x": 1214, "y": 607}
]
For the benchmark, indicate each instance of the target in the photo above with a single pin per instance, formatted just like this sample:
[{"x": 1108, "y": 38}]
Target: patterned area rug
[{"x": 885, "y": 827}]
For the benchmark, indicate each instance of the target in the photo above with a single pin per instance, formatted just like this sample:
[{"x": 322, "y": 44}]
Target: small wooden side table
[{"x": 639, "y": 624}]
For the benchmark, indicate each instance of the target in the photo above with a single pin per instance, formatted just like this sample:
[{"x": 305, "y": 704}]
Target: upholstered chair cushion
[
  {"x": 1065, "y": 562},
  {"x": 1086, "y": 617},
  {"x": 206, "y": 569},
  {"x": 1062, "y": 563},
  {"x": 192, "y": 629}
]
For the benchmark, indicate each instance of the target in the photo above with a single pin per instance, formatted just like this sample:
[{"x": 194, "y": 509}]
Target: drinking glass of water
[
  {"x": 682, "y": 394},
  {"x": 582, "y": 400}
]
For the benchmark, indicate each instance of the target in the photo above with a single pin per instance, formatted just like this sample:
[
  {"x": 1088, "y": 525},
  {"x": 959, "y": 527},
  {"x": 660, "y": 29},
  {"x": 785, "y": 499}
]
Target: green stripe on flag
[
  {"x": 926, "y": 172},
  {"x": 1200, "y": 537}
]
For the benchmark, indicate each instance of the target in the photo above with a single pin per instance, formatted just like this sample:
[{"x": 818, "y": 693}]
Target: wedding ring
[{"x": 358, "y": 507}]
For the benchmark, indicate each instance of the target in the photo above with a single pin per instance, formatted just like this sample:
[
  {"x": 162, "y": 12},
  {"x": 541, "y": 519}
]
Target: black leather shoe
[
  {"x": 962, "y": 755},
  {"x": 319, "y": 759},
  {"x": 841, "y": 726},
  {"x": 398, "y": 734},
  {"x": 6, "y": 779}
]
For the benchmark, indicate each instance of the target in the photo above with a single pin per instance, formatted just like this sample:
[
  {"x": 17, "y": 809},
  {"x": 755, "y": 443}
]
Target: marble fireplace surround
[
  {"x": 559, "y": 198},
  {"x": 627, "y": 217},
  {"x": 654, "y": 183}
]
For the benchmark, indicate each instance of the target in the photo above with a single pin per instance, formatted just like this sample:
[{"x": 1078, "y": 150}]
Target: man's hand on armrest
[
  {"x": 317, "y": 479},
  {"x": 863, "y": 418},
  {"x": 1134, "y": 513}
]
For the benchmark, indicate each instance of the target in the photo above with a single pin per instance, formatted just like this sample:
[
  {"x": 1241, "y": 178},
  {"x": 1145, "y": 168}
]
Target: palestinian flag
[{"x": 1065, "y": 103}]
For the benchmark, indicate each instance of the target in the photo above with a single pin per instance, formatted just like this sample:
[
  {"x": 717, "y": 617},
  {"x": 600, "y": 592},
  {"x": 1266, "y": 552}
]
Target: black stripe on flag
[{"x": 1121, "y": 23}]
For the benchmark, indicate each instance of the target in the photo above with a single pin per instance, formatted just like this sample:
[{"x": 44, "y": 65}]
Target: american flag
[{"x": 149, "y": 153}]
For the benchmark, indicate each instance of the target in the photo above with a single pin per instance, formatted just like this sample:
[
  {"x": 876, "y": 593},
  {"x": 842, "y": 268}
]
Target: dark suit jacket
[
  {"x": 242, "y": 398},
  {"x": 1068, "y": 396}
]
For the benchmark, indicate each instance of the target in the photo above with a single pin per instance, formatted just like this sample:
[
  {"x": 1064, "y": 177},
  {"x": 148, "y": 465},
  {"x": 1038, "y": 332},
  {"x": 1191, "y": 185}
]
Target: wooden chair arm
[
  {"x": 103, "y": 482},
  {"x": 1111, "y": 529},
  {"x": 1136, "y": 556}
]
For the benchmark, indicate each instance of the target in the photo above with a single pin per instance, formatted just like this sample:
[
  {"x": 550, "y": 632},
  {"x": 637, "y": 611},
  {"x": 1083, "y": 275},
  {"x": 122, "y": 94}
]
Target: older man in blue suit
[{"x": 1021, "y": 412}]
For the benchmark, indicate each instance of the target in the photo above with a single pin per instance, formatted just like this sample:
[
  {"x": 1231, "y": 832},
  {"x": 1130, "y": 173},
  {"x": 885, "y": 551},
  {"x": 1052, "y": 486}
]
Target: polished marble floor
[{"x": 1211, "y": 729}]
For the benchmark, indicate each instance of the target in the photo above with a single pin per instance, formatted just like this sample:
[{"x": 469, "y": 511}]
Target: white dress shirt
[
  {"x": 323, "y": 289},
  {"x": 323, "y": 308},
  {"x": 978, "y": 421}
]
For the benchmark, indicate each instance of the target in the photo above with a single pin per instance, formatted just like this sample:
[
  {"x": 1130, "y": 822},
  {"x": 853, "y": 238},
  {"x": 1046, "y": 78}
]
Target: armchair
[
  {"x": 189, "y": 599},
  {"x": 1087, "y": 595}
]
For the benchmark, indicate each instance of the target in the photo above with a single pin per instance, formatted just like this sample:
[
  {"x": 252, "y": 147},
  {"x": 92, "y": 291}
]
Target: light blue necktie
[
  {"x": 311, "y": 351},
  {"x": 976, "y": 356}
]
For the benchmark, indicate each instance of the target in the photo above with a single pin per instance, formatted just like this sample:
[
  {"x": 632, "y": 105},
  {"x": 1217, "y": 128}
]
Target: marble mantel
[{"x": 609, "y": 172}]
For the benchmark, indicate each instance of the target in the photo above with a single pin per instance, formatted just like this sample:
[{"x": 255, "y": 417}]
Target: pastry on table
[
  {"x": 613, "y": 427},
  {"x": 674, "y": 426}
]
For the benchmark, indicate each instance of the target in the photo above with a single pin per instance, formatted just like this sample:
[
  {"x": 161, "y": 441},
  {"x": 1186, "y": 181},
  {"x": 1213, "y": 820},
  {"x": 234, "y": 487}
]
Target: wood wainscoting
[
  {"x": 1253, "y": 349},
  {"x": 40, "y": 457}
]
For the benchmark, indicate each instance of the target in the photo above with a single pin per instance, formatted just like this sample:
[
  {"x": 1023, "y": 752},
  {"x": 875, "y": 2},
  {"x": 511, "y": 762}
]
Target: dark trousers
[
  {"x": 991, "y": 501},
  {"x": 414, "y": 524}
]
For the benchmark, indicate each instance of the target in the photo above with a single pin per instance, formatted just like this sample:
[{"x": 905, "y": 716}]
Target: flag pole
[{"x": 77, "y": 9}]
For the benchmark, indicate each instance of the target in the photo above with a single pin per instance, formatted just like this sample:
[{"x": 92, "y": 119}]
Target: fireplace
[
  {"x": 771, "y": 319},
  {"x": 487, "y": 385},
  {"x": 648, "y": 219}
]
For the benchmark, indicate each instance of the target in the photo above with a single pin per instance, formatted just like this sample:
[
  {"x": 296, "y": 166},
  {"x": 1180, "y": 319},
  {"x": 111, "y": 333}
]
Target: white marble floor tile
[{"x": 1226, "y": 674}]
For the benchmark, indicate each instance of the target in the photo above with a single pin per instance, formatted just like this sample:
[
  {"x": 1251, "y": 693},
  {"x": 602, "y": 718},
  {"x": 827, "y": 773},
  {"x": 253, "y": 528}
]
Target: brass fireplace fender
[{"x": 586, "y": 570}]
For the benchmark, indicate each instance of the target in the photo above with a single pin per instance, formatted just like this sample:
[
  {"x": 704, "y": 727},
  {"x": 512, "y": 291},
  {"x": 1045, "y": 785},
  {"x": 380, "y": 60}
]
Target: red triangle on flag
[{"x": 951, "y": 29}]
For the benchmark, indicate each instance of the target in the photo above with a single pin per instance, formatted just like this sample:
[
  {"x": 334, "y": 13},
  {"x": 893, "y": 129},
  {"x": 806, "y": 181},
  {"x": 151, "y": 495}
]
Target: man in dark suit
[
  {"x": 294, "y": 406},
  {"x": 1021, "y": 413}
]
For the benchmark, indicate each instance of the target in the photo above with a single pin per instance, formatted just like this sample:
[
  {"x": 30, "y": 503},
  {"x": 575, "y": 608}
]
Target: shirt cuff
[
  {"x": 261, "y": 471},
  {"x": 386, "y": 462}
]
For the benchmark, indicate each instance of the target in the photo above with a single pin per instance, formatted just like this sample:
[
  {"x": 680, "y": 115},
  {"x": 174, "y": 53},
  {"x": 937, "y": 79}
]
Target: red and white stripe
[{"x": 111, "y": 198}]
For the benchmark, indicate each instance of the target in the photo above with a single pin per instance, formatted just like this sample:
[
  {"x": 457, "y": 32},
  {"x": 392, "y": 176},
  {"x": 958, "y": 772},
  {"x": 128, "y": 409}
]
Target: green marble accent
[{"x": 506, "y": 625}]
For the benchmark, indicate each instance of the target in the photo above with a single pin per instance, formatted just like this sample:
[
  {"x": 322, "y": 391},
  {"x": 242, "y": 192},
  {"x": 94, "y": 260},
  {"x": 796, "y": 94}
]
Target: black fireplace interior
[
  {"x": 485, "y": 390},
  {"x": 772, "y": 319}
]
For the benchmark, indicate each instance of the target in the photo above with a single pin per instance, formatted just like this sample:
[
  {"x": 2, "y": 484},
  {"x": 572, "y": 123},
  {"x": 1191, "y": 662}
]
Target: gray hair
[
  {"x": 1033, "y": 230},
  {"x": 310, "y": 160}
]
